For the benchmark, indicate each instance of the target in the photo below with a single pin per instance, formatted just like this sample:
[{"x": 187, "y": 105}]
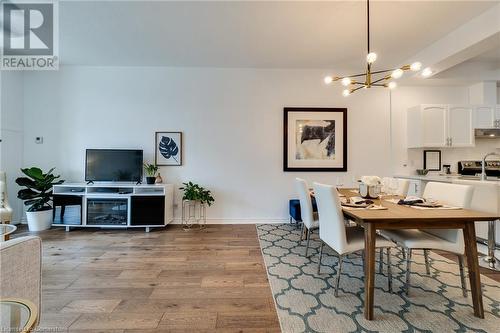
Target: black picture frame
[
  {"x": 158, "y": 161},
  {"x": 286, "y": 112},
  {"x": 426, "y": 162}
]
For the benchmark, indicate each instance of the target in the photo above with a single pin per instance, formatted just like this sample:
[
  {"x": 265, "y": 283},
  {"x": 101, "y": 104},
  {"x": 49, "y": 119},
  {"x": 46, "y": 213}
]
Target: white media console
[{"x": 113, "y": 205}]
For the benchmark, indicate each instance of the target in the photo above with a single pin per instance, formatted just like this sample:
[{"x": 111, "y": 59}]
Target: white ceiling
[{"x": 325, "y": 34}]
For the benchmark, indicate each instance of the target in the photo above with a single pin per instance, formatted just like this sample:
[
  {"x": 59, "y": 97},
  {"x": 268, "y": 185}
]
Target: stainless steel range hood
[{"x": 491, "y": 133}]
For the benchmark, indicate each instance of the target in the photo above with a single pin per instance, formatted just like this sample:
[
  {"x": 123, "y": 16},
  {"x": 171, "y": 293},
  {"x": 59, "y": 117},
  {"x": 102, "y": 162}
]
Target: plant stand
[{"x": 194, "y": 215}]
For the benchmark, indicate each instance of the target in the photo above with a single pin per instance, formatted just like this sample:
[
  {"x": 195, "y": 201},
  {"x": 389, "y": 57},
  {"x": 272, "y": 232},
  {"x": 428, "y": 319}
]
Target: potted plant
[
  {"x": 37, "y": 194},
  {"x": 194, "y": 200},
  {"x": 151, "y": 170}
]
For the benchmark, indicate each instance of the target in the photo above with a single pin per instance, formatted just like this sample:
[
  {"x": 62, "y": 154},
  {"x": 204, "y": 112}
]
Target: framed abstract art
[
  {"x": 168, "y": 148},
  {"x": 315, "y": 139}
]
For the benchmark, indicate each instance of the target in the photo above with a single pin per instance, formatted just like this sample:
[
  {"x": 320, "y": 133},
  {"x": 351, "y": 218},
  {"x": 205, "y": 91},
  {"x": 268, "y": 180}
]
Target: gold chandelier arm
[{"x": 353, "y": 90}]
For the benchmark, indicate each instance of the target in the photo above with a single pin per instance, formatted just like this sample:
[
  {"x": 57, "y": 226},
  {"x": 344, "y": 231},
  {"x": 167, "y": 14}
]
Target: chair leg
[
  {"x": 462, "y": 274},
  {"x": 308, "y": 240},
  {"x": 408, "y": 268},
  {"x": 320, "y": 255},
  {"x": 381, "y": 260},
  {"x": 427, "y": 262},
  {"x": 403, "y": 253},
  {"x": 301, "y": 233},
  {"x": 339, "y": 271},
  {"x": 389, "y": 270}
]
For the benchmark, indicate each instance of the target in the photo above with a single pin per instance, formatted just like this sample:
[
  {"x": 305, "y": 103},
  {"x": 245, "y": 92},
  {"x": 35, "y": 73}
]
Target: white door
[
  {"x": 484, "y": 116},
  {"x": 497, "y": 117},
  {"x": 460, "y": 129},
  {"x": 434, "y": 125}
]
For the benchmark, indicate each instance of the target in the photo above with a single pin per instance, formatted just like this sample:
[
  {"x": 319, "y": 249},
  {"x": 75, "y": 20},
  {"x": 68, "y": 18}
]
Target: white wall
[
  {"x": 232, "y": 124},
  {"x": 12, "y": 133},
  {"x": 231, "y": 119}
]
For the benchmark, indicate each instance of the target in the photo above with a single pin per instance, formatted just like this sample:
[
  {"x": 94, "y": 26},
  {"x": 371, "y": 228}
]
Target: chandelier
[{"x": 379, "y": 78}]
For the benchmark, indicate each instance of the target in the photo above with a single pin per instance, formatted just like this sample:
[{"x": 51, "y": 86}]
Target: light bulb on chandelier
[
  {"x": 346, "y": 81},
  {"x": 346, "y": 92},
  {"x": 371, "y": 57},
  {"x": 328, "y": 79},
  {"x": 416, "y": 66},
  {"x": 397, "y": 73}
]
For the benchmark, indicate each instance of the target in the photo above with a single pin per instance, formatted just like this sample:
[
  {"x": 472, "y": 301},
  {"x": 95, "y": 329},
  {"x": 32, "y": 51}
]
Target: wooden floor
[{"x": 164, "y": 281}]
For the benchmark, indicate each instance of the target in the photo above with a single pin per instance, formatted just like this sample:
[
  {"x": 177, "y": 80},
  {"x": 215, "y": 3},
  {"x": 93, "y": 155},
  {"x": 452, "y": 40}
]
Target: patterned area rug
[{"x": 305, "y": 301}]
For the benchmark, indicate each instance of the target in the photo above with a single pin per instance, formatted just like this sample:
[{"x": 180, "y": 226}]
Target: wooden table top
[{"x": 400, "y": 214}]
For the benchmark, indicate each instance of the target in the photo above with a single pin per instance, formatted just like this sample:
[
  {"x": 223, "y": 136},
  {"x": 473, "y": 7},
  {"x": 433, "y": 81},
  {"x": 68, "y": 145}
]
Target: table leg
[
  {"x": 473, "y": 266},
  {"x": 370, "y": 237}
]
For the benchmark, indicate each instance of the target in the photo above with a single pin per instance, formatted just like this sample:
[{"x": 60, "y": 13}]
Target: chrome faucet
[{"x": 483, "y": 166}]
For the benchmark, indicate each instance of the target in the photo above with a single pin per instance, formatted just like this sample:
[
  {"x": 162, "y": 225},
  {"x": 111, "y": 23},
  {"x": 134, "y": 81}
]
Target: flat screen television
[{"x": 113, "y": 165}]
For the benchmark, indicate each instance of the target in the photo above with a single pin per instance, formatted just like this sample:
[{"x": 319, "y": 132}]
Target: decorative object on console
[
  {"x": 194, "y": 200},
  {"x": 432, "y": 160},
  {"x": 315, "y": 139},
  {"x": 151, "y": 170},
  {"x": 168, "y": 148},
  {"x": 37, "y": 194},
  {"x": 158, "y": 179}
]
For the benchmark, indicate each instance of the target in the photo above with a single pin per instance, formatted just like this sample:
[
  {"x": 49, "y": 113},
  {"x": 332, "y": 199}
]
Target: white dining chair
[
  {"x": 398, "y": 185},
  {"x": 309, "y": 222},
  {"x": 334, "y": 233},
  {"x": 448, "y": 240}
]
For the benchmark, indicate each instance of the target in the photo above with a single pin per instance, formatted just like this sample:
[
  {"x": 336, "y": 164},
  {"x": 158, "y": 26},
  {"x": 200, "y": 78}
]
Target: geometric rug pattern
[{"x": 305, "y": 301}]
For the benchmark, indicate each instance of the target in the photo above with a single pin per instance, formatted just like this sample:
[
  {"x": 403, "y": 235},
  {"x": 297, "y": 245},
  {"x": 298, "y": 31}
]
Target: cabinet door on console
[{"x": 147, "y": 210}]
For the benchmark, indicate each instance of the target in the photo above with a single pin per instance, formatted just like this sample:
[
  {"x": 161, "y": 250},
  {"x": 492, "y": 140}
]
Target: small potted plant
[
  {"x": 194, "y": 200},
  {"x": 151, "y": 170},
  {"x": 37, "y": 195}
]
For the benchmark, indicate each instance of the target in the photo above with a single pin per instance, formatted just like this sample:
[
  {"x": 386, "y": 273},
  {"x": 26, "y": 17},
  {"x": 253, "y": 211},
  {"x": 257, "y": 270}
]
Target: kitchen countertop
[{"x": 447, "y": 179}]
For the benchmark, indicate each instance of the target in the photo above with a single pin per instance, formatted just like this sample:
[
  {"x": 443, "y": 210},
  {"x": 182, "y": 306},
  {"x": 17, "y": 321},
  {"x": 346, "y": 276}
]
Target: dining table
[{"x": 395, "y": 216}]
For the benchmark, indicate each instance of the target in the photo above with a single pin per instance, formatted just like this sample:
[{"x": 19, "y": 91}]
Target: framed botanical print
[
  {"x": 168, "y": 148},
  {"x": 315, "y": 139}
]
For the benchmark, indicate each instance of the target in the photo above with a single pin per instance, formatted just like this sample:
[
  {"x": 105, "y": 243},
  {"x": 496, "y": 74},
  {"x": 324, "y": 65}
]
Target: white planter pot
[{"x": 38, "y": 221}]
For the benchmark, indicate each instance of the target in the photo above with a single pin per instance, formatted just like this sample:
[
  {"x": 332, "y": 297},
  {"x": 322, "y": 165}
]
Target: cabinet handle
[{"x": 451, "y": 141}]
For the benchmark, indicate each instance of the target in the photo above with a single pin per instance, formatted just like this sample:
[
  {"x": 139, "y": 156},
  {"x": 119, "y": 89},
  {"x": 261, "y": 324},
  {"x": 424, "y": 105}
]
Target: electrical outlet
[{"x": 39, "y": 140}]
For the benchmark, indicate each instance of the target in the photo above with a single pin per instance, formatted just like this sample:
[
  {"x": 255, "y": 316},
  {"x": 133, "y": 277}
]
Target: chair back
[
  {"x": 306, "y": 208},
  {"x": 454, "y": 195},
  {"x": 457, "y": 195},
  {"x": 331, "y": 219},
  {"x": 21, "y": 273},
  {"x": 401, "y": 188}
]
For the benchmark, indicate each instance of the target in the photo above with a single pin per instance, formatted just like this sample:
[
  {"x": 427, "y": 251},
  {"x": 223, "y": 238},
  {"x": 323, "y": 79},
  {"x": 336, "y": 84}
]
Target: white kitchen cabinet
[
  {"x": 427, "y": 126},
  {"x": 486, "y": 116},
  {"x": 460, "y": 126},
  {"x": 440, "y": 125}
]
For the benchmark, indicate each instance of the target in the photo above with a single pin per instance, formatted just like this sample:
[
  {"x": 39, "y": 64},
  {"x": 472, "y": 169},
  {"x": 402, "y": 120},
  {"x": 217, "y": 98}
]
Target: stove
[{"x": 471, "y": 168}]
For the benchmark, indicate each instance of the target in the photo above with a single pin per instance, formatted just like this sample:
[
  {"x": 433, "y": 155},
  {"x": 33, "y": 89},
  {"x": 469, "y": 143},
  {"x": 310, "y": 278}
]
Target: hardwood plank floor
[{"x": 168, "y": 280}]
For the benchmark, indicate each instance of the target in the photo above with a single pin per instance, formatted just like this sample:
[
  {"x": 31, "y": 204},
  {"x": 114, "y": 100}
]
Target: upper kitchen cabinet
[
  {"x": 486, "y": 116},
  {"x": 440, "y": 125},
  {"x": 460, "y": 126}
]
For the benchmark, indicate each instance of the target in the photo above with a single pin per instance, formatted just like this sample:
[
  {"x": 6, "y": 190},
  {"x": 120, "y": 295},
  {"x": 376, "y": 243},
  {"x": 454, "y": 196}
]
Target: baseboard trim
[{"x": 238, "y": 221}]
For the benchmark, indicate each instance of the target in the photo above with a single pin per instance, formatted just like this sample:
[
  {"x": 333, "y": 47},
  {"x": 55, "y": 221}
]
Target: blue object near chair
[{"x": 294, "y": 210}]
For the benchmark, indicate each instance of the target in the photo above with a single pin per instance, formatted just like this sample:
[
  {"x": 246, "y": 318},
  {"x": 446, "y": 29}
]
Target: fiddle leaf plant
[
  {"x": 195, "y": 192},
  {"x": 37, "y": 191}
]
